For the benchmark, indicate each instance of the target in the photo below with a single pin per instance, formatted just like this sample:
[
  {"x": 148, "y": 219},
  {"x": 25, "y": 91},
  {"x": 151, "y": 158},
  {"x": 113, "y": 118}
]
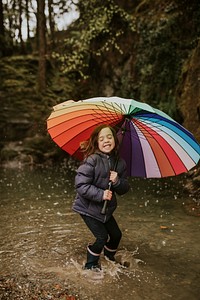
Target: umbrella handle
[{"x": 103, "y": 211}]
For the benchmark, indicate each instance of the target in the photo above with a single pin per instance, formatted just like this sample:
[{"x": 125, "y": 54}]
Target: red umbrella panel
[{"x": 71, "y": 123}]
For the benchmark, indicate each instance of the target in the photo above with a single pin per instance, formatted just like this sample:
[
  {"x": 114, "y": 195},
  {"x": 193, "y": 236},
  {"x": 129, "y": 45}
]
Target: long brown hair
[{"x": 91, "y": 146}]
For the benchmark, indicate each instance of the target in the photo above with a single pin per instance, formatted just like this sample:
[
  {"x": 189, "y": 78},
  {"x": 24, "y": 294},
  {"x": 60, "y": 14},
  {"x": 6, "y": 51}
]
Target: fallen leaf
[{"x": 163, "y": 227}]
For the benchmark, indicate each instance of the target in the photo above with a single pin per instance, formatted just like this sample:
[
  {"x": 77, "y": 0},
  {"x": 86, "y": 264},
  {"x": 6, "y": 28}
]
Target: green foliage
[
  {"x": 165, "y": 42},
  {"x": 95, "y": 23}
]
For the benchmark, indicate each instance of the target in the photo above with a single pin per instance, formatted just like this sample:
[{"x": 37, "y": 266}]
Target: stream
[{"x": 40, "y": 236}]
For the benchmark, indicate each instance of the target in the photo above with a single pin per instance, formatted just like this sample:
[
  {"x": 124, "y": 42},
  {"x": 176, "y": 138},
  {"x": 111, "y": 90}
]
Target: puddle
[{"x": 41, "y": 238}]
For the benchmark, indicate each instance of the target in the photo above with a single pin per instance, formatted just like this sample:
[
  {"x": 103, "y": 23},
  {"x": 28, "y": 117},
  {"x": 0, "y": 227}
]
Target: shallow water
[{"x": 40, "y": 235}]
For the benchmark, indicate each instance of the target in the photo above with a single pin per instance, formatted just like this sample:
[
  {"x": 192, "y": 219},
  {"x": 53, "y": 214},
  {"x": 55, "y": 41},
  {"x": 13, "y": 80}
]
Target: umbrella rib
[
  {"x": 94, "y": 118},
  {"x": 166, "y": 155},
  {"x": 134, "y": 136},
  {"x": 113, "y": 124},
  {"x": 140, "y": 138},
  {"x": 82, "y": 105},
  {"x": 172, "y": 136},
  {"x": 111, "y": 106},
  {"x": 109, "y": 109},
  {"x": 143, "y": 159},
  {"x": 187, "y": 134}
]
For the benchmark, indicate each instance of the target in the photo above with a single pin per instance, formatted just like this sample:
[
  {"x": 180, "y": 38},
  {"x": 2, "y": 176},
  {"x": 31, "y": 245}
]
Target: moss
[
  {"x": 8, "y": 154},
  {"x": 37, "y": 142}
]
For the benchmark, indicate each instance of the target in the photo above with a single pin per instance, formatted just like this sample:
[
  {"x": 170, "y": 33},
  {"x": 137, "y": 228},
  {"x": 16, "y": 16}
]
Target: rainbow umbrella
[{"x": 152, "y": 143}]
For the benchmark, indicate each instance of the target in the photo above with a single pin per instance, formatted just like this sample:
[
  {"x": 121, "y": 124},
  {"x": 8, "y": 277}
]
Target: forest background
[{"x": 145, "y": 50}]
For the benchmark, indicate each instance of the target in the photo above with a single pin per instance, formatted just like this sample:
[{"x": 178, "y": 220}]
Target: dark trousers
[{"x": 106, "y": 234}]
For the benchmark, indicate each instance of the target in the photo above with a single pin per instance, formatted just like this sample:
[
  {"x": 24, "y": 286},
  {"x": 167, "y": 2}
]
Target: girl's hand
[
  {"x": 107, "y": 195},
  {"x": 113, "y": 176}
]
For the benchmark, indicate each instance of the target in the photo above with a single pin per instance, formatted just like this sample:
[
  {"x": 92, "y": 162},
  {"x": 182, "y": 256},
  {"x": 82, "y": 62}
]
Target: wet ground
[{"x": 42, "y": 242}]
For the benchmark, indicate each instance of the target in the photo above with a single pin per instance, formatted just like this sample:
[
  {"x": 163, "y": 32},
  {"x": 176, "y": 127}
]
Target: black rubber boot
[
  {"x": 109, "y": 253},
  {"x": 92, "y": 260}
]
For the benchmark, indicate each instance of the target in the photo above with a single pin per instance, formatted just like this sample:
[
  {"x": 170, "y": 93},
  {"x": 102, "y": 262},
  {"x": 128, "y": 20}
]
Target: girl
[{"x": 101, "y": 167}]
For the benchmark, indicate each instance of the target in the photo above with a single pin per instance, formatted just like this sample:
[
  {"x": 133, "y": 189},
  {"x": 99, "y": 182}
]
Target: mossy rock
[
  {"x": 37, "y": 142},
  {"x": 8, "y": 154}
]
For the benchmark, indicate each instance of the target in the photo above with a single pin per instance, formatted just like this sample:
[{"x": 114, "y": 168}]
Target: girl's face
[{"x": 106, "y": 142}]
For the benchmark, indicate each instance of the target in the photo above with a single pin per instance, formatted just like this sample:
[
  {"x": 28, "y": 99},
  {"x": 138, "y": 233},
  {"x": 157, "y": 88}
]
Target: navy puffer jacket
[{"x": 92, "y": 180}]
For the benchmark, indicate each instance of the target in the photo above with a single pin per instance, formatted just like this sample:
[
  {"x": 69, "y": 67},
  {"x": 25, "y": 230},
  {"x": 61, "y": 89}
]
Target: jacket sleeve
[
  {"x": 122, "y": 185},
  {"x": 84, "y": 182}
]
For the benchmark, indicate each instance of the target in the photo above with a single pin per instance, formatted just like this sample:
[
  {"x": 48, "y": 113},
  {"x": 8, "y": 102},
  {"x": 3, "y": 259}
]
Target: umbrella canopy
[{"x": 151, "y": 142}]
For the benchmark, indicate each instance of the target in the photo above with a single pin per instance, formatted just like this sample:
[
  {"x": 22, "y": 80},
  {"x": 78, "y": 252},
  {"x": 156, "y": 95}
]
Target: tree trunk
[
  {"x": 20, "y": 28},
  {"x": 51, "y": 24},
  {"x": 27, "y": 19},
  {"x": 2, "y": 31},
  {"x": 42, "y": 46}
]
